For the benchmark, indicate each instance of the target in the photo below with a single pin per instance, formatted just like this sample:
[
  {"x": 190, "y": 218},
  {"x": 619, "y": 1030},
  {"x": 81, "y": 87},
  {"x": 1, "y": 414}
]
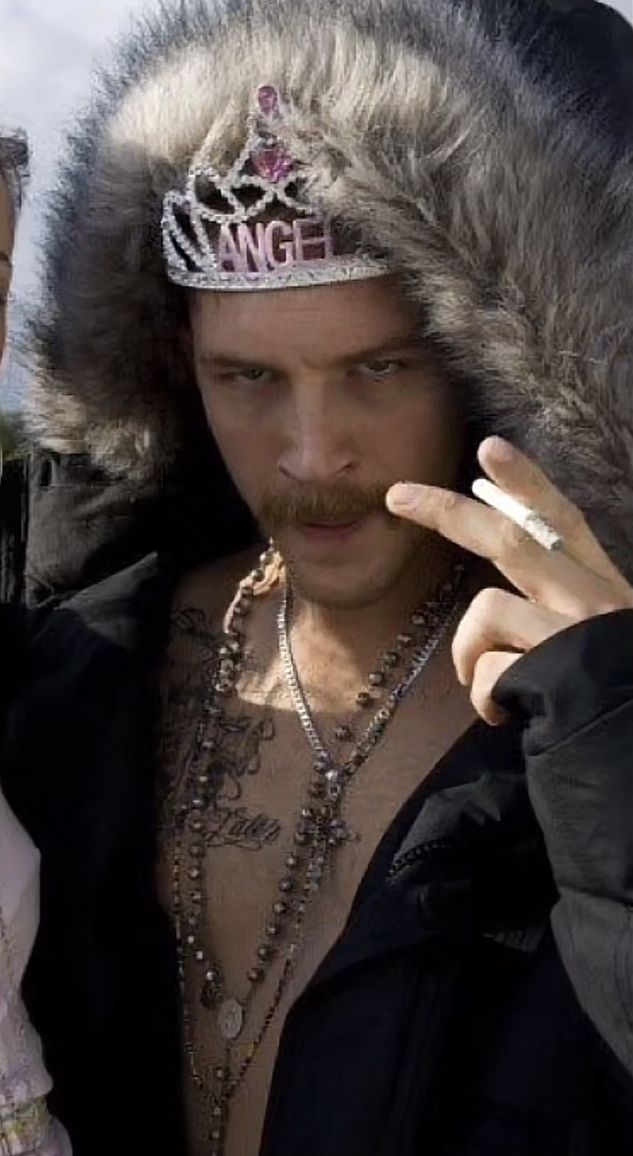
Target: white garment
[{"x": 26, "y": 1128}]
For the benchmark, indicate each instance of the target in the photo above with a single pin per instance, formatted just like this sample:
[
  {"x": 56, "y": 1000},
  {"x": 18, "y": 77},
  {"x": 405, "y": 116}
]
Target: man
[{"x": 287, "y": 872}]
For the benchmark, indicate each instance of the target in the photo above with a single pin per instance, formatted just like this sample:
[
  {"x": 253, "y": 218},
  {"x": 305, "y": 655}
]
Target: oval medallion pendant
[{"x": 230, "y": 1019}]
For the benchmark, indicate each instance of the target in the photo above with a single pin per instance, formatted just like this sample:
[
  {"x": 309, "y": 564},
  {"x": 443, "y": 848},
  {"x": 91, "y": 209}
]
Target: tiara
[{"x": 250, "y": 227}]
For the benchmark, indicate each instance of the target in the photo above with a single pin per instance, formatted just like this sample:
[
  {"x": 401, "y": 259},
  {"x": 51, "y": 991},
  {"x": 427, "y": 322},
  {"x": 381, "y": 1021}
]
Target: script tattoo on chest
[{"x": 235, "y": 757}]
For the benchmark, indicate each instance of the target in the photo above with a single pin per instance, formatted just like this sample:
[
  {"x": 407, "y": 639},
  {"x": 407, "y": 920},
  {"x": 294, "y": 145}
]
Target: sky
[{"x": 47, "y": 51}]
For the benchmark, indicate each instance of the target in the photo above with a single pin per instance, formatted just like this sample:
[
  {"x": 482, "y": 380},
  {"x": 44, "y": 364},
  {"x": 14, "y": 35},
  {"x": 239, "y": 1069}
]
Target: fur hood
[{"x": 495, "y": 192}]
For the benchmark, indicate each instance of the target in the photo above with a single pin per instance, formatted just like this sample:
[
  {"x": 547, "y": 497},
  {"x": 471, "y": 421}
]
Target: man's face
[
  {"x": 319, "y": 399},
  {"x": 6, "y": 250}
]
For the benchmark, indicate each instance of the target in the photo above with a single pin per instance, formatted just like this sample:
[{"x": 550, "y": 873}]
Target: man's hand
[{"x": 556, "y": 588}]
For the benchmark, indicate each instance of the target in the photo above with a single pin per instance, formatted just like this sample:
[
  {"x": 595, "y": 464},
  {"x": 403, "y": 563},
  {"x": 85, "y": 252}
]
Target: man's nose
[{"x": 318, "y": 442}]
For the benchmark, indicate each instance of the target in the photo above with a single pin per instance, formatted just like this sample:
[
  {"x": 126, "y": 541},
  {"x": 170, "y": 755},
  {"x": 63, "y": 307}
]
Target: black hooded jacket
[{"x": 480, "y": 998}]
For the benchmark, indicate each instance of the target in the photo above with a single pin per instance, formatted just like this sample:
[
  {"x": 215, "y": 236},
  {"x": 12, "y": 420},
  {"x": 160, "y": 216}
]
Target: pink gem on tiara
[
  {"x": 273, "y": 163},
  {"x": 270, "y": 159}
]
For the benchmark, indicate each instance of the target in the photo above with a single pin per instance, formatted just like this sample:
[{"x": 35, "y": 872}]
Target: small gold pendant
[{"x": 230, "y": 1019}]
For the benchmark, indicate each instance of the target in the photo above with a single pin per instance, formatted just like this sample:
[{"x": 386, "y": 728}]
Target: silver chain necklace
[
  {"x": 319, "y": 835},
  {"x": 434, "y": 617}
]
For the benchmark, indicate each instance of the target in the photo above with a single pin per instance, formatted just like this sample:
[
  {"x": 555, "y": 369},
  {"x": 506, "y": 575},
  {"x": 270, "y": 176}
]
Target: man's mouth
[
  {"x": 331, "y": 523},
  {"x": 330, "y": 531}
]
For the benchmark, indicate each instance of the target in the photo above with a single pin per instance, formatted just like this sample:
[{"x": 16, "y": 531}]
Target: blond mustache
[{"x": 340, "y": 504}]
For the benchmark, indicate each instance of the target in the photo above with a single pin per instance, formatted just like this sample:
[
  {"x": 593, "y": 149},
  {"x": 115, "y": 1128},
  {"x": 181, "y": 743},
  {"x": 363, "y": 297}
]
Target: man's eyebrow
[
  {"x": 400, "y": 343},
  {"x": 227, "y": 361},
  {"x": 407, "y": 343}
]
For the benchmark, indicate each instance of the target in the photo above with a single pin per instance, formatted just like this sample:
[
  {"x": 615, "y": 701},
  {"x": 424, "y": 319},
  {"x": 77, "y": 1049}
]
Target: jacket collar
[{"x": 464, "y": 859}]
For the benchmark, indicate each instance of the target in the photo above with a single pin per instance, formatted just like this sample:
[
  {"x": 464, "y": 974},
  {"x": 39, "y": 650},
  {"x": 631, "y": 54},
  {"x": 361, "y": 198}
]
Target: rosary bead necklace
[{"x": 319, "y": 835}]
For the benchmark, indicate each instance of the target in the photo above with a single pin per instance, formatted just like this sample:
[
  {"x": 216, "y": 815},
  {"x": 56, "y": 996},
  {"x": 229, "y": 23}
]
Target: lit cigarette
[{"x": 521, "y": 515}]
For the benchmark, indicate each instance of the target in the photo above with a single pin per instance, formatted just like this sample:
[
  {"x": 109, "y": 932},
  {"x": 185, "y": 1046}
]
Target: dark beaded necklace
[{"x": 319, "y": 834}]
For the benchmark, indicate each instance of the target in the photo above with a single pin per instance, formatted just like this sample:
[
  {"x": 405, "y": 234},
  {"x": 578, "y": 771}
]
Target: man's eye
[
  {"x": 252, "y": 376},
  {"x": 380, "y": 370}
]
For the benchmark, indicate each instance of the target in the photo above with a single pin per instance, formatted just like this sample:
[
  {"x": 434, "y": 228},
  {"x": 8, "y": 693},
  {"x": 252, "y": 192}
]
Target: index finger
[{"x": 488, "y": 534}]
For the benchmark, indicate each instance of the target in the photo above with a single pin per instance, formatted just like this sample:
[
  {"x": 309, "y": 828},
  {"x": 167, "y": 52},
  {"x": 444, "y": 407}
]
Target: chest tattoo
[{"x": 235, "y": 754}]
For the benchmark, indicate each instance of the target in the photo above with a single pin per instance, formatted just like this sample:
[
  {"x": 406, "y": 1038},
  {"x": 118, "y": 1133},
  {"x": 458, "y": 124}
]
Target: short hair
[{"x": 14, "y": 164}]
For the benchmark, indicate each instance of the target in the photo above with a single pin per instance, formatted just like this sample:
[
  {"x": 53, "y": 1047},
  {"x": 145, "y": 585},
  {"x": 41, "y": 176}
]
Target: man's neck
[
  {"x": 356, "y": 635},
  {"x": 334, "y": 649}
]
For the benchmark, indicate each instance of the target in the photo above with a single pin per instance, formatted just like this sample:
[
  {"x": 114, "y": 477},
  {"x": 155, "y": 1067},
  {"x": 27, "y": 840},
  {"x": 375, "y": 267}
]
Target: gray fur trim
[{"x": 509, "y": 213}]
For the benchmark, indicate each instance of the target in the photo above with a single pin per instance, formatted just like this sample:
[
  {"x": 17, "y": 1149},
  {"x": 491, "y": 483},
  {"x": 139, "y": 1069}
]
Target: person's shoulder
[
  {"x": 204, "y": 595},
  {"x": 124, "y": 610}
]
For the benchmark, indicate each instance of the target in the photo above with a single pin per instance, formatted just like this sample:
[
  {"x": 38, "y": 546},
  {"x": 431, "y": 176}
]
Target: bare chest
[{"x": 251, "y": 881}]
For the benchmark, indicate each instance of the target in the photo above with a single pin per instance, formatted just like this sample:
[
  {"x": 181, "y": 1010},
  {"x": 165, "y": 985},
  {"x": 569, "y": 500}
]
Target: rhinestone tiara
[{"x": 250, "y": 227}]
